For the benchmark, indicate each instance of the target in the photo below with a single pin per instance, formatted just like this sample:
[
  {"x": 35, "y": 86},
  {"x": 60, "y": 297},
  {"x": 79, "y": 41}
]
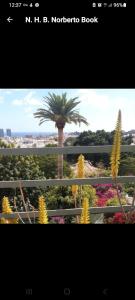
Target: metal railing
[
  {"x": 52, "y": 182},
  {"x": 68, "y": 212}
]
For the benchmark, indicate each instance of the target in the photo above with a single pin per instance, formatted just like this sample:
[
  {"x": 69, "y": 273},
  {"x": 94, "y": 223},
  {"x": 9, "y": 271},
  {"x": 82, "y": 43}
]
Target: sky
[{"x": 99, "y": 106}]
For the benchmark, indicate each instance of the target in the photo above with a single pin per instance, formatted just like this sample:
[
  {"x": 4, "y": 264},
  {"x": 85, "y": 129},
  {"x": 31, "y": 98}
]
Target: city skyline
[{"x": 99, "y": 106}]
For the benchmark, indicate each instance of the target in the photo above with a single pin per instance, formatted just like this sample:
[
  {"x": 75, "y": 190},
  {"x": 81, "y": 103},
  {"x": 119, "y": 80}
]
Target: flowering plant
[
  {"x": 115, "y": 201},
  {"x": 104, "y": 192},
  {"x": 58, "y": 220},
  {"x": 120, "y": 218}
]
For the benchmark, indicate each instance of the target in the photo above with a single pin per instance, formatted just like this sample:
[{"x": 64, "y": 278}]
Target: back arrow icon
[
  {"x": 9, "y": 19},
  {"x": 105, "y": 292}
]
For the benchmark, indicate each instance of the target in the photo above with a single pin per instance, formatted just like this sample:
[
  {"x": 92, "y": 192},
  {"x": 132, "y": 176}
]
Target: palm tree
[{"x": 61, "y": 111}]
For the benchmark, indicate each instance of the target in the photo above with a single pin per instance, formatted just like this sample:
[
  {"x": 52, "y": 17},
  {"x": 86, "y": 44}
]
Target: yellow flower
[
  {"x": 80, "y": 167},
  {"x": 115, "y": 156},
  {"x": 74, "y": 190},
  {"x": 43, "y": 218},
  {"x": 6, "y": 209},
  {"x": 85, "y": 216}
]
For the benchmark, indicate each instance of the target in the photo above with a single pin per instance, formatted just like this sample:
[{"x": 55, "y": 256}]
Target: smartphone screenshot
[{"x": 67, "y": 145}]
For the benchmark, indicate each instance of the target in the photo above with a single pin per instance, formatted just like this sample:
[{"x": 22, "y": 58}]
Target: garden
[{"x": 39, "y": 204}]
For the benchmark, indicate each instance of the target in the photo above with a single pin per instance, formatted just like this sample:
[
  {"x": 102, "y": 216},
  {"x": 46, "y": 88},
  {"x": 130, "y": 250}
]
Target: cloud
[
  {"x": 1, "y": 99},
  {"x": 108, "y": 102},
  {"x": 8, "y": 92},
  {"x": 28, "y": 100},
  {"x": 17, "y": 102},
  {"x": 92, "y": 98}
]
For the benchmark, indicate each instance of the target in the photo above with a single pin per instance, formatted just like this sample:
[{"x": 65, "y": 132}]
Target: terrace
[{"x": 62, "y": 182}]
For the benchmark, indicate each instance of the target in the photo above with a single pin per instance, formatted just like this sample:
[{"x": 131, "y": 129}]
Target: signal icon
[{"x": 110, "y": 5}]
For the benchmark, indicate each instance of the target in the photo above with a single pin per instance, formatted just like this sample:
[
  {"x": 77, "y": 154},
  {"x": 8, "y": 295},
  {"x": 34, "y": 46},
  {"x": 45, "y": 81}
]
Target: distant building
[
  {"x": 8, "y": 131},
  {"x": 28, "y": 136},
  {"x": 1, "y": 133}
]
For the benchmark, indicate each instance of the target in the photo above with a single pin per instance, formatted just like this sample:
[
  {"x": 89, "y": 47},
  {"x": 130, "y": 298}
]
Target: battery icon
[{"x": 124, "y": 4}]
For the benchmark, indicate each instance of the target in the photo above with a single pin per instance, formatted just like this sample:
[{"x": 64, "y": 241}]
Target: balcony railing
[{"x": 52, "y": 182}]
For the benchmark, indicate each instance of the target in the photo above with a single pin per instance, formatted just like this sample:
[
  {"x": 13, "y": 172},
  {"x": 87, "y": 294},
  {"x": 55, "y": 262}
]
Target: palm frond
[{"x": 60, "y": 110}]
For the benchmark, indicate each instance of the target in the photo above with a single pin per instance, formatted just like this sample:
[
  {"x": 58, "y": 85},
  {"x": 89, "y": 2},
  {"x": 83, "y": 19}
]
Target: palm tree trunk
[{"x": 60, "y": 157}]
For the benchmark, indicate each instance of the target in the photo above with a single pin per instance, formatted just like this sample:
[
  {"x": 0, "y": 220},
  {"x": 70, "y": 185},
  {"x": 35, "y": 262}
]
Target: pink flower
[
  {"x": 110, "y": 194},
  {"x": 101, "y": 202},
  {"x": 59, "y": 220}
]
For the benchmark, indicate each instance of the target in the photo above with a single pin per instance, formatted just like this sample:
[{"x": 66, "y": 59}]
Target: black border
[
  {"x": 65, "y": 255},
  {"x": 69, "y": 56}
]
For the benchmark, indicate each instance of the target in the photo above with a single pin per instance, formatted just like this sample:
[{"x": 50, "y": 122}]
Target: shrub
[
  {"x": 129, "y": 189},
  {"x": 89, "y": 192},
  {"x": 127, "y": 166},
  {"x": 59, "y": 197},
  {"x": 119, "y": 218},
  {"x": 57, "y": 220},
  {"x": 101, "y": 202},
  {"x": 115, "y": 202}
]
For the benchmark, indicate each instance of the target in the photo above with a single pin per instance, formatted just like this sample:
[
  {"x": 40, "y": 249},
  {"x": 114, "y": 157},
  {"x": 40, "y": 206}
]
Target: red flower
[{"x": 119, "y": 218}]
